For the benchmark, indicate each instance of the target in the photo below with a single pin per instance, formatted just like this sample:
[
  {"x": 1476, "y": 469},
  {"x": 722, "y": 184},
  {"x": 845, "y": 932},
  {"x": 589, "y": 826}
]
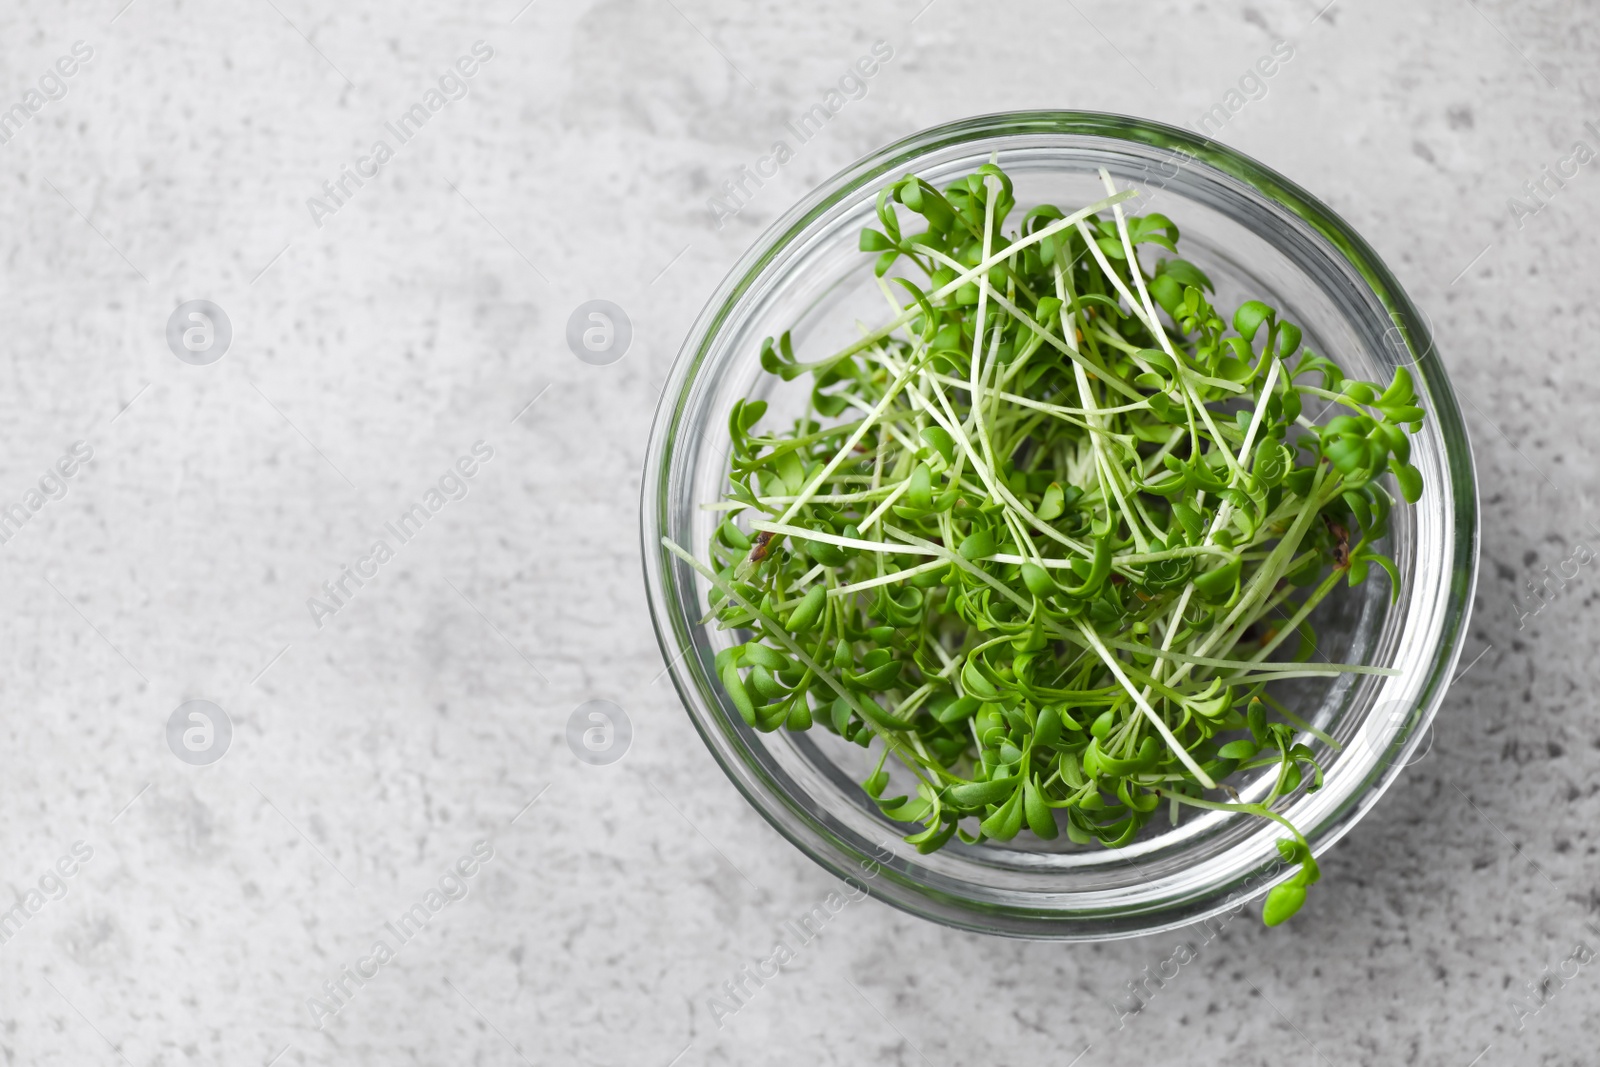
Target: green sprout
[{"x": 1042, "y": 532}]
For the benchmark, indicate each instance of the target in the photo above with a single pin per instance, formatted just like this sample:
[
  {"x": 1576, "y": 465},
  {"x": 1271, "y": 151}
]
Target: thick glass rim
[{"x": 671, "y": 593}]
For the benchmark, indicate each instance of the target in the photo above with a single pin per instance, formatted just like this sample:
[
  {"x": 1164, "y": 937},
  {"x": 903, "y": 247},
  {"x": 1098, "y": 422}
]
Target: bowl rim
[{"x": 1460, "y": 570}]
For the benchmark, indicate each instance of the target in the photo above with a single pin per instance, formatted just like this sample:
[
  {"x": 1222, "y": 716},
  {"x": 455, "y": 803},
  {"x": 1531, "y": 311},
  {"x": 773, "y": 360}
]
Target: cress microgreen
[{"x": 1041, "y": 533}]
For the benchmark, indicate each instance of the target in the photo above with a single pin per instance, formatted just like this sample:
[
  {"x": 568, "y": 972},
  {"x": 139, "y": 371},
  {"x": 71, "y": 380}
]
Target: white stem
[
  {"x": 968, "y": 276},
  {"x": 855, "y": 439},
  {"x": 1144, "y": 706}
]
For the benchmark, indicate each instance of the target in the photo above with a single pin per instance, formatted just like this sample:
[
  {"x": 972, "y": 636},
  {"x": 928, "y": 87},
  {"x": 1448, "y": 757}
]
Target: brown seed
[{"x": 1341, "y": 543}]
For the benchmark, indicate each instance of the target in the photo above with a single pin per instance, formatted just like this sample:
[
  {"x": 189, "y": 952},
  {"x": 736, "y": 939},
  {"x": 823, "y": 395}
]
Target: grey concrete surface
[{"x": 373, "y": 747}]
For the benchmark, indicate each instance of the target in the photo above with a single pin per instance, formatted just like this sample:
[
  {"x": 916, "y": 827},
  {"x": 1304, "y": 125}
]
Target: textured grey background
[{"x": 369, "y": 353}]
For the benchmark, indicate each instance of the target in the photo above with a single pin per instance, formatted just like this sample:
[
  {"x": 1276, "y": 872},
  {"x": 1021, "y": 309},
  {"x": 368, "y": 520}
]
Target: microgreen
[{"x": 1040, "y": 534}]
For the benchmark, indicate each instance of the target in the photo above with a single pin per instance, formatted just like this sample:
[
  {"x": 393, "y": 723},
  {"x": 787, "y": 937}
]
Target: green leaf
[
  {"x": 958, "y": 710},
  {"x": 877, "y": 679},
  {"x": 1099, "y": 571},
  {"x": 745, "y": 414},
  {"x": 740, "y": 696},
  {"x": 874, "y": 711},
  {"x": 1052, "y": 504},
  {"x": 873, "y": 241},
  {"x": 808, "y": 611},
  {"x": 1218, "y": 585},
  {"x": 766, "y": 686},
  {"x": 978, "y": 545},
  {"x": 1272, "y": 464},
  {"x": 828, "y": 404},
  {"x": 1037, "y": 579},
  {"x": 829, "y": 555},
  {"x": 760, "y": 655},
  {"x": 919, "y": 488},
  {"x": 1189, "y": 521},
  {"x": 1282, "y": 902},
  {"x": 1167, "y": 292},
  {"x": 1349, "y": 455},
  {"x": 840, "y": 715},
  {"x": 975, "y": 795},
  {"x": 1185, "y": 273},
  {"x": 1410, "y": 480},
  {"x": 941, "y": 441},
  {"x": 1004, "y": 824},
  {"x": 732, "y": 536},
  {"x": 1248, "y": 319},
  {"x": 1288, "y": 339},
  {"x": 1400, "y": 391},
  {"x": 1360, "y": 392},
  {"x": 1041, "y": 820},
  {"x": 973, "y": 681}
]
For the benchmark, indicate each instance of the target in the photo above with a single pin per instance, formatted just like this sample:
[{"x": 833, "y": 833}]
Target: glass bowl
[{"x": 1256, "y": 234}]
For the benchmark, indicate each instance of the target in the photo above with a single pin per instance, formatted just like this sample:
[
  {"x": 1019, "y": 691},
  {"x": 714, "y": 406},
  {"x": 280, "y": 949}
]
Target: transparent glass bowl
[{"x": 1257, "y": 235}]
